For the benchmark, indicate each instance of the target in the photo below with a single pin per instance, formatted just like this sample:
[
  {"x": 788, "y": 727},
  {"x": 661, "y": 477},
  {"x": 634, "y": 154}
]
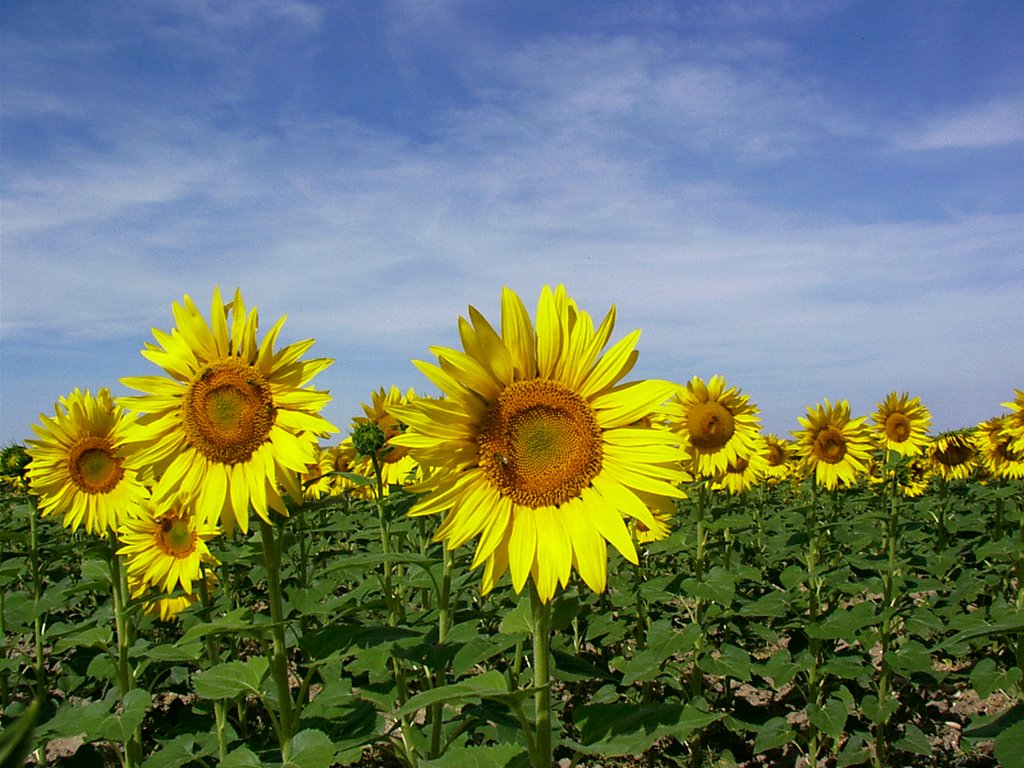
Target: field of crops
[{"x": 851, "y": 597}]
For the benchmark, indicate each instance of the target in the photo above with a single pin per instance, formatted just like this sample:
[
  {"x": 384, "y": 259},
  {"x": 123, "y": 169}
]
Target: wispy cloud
[{"x": 989, "y": 124}]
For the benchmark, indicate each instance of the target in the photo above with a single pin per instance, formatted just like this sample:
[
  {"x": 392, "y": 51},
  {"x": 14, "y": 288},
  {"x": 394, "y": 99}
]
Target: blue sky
[{"x": 812, "y": 199}]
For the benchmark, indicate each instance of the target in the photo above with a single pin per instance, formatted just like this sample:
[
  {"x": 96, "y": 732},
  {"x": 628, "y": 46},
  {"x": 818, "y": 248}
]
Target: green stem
[
  {"x": 699, "y": 564},
  {"x": 213, "y": 658},
  {"x": 38, "y": 630},
  {"x": 443, "y": 623},
  {"x": 541, "y": 678},
  {"x": 279, "y": 656},
  {"x": 122, "y": 625}
]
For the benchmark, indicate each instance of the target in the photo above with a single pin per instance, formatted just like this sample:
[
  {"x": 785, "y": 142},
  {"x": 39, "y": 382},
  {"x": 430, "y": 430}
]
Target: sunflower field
[{"x": 548, "y": 563}]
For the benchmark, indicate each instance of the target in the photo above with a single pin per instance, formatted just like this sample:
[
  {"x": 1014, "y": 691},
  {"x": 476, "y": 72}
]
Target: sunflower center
[
  {"x": 228, "y": 411},
  {"x": 954, "y": 454},
  {"x": 829, "y": 446},
  {"x": 93, "y": 465},
  {"x": 776, "y": 455},
  {"x": 175, "y": 537},
  {"x": 540, "y": 444},
  {"x": 710, "y": 425},
  {"x": 897, "y": 427}
]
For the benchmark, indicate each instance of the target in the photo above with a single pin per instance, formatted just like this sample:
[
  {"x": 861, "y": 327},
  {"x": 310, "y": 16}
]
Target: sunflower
[
  {"x": 532, "y": 447},
  {"x": 953, "y": 455},
  {"x": 316, "y": 480},
  {"x": 81, "y": 466},
  {"x": 742, "y": 474},
  {"x": 168, "y": 607},
  {"x": 661, "y": 529},
  {"x": 835, "y": 446},
  {"x": 902, "y": 424},
  {"x": 165, "y": 547},
  {"x": 997, "y": 455},
  {"x": 1015, "y": 421},
  {"x": 719, "y": 425},
  {"x": 343, "y": 458},
  {"x": 397, "y": 466},
  {"x": 777, "y": 453},
  {"x": 235, "y": 420}
]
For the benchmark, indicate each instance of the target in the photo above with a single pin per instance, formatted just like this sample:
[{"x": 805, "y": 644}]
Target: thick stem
[
  {"x": 213, "y": 658},
  {"x": 541, "y": 679},
  {"x": 279, "y": 656}
]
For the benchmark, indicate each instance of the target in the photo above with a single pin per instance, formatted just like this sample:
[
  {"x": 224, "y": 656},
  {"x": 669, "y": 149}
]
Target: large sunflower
[
  {"x": 902, "y": 424},
  {"x": 80, "y": 466},
  {"x": 719, "y": 425},
  {"x": 835, "y": 446},
  {"x": 234, "y": 421},
  {"x": 165, "y": 548},
  {"x": 532, "y": 447}
]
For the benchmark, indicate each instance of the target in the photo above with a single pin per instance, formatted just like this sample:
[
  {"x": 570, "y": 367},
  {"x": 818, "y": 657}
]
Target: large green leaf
[{"x": 231, "y": 678}]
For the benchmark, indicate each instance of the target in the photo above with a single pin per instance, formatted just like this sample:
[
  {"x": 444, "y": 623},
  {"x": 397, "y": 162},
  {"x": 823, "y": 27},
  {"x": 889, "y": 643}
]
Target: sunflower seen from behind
[
  {"x": 718, "y": 424},
  {"x": 833, "y": 445},
  {"x": 81, "y": 466},
  {"x": 901, "y": 424},
  {"x": 234, "y": 419},
  {"x": 532, "y": 449}
]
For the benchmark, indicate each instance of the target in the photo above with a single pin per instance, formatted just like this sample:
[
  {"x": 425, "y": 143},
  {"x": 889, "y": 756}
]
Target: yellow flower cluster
[{"x": 539, "y": 449}]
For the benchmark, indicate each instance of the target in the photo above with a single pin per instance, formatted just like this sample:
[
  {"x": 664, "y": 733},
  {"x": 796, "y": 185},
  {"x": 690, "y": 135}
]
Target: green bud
[{"x": 368, "y": 438}]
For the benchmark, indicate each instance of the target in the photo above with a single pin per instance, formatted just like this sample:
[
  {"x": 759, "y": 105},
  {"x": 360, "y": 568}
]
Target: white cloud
[{"x": 991, "y": 124}]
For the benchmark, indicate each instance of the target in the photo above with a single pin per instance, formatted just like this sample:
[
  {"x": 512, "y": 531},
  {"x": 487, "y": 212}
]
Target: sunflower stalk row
[{"x": 761, "y": 598}]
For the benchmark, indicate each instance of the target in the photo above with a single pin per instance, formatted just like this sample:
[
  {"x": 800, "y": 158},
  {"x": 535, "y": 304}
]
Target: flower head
[
  {"x": 834, "y": 445},
  {"x": 165, "y": 548},
  {"x": 996, "y": 449},
  {"x": 81, "y": 466},
  {"x": 719, "y": 424},
  {"x": 953, "y": 455},
  {"x": 234, "y": 420},
  {"x": 533, "y": 448},
  {"x": 902, "y": 424}
]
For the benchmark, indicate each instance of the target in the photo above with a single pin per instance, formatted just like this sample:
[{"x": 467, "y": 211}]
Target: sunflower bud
[{"x": 368, "y": 439}]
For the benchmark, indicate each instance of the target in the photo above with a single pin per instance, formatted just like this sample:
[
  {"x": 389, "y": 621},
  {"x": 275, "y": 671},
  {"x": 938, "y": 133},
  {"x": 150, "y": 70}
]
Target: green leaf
[
  {"x": 773, "y": 734},
  {"x": 626, "y": 729},
  {"x": 310, "y": 749},
  {"x": 490, "y": 684},
  {"x": 519, "y": 620},
  {"x": 986, "y": 677},
  {"x": 241, "y": 757},
  {"x": 182, "y": 750},
  {"x": 491, "y": 756},
  {"x": 914, "y": 741},
  {"x": 120, "y": 726},
  {"x": 1009, "y": 747},
  {"x": 231, "y": 679},
  {"x": 239, "y": 620},
  {"x": 731, "y": 661},
  {"x": 830, "y": 719},
  {"x": 95, "y": 637},
  {"x": 16, "y": 740}
]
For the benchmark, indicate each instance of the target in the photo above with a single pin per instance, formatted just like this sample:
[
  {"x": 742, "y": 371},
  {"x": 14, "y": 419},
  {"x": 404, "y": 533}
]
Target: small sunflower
[
  {"x": 1015, "y": 421},
  {"x": 397, "y": 466},
  {"x": 532, "y": 448},
  {"x": 661, "y": 529},
  {"x": 234, "y": 420},
  {"x": 742, "y": 474},
  {"x": 719, "y": 425},
  {"x": 996, "y": 451},
  {"x": 316, "y": 480},
  {"x": 165, "y": 548},
  {"x": 81, "y": 467},
  {"x": 343, "y": 458},
  {"x": 902, "y": 424},
  {"x": 167, "y": 607},
  {"x": 778, "y": 454},
  {"x": 953, "y": 455},
  {"x": 834, "y": 445}
]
